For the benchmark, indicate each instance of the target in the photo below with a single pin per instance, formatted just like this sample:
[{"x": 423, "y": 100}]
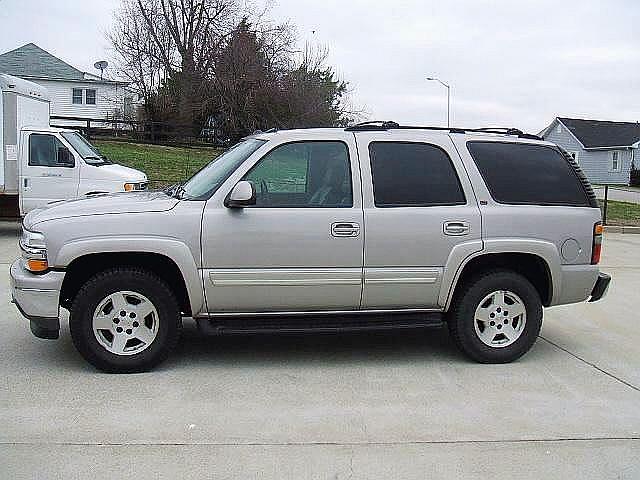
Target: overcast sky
[{"x": 509, "y": 63}]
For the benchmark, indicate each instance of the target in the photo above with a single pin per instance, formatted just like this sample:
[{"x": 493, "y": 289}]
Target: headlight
[
  {"x": 129, "y": 187},
  {"x": 34, "y": 251}
]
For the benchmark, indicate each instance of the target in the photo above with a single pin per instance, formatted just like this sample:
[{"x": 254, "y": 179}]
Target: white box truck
[{"x": 40, "y": 164}]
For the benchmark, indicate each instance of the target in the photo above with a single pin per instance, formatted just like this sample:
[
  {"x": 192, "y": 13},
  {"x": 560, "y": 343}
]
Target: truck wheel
[
  {"x": 125, "y": 320},
  {"x": 496, "y": 317}
]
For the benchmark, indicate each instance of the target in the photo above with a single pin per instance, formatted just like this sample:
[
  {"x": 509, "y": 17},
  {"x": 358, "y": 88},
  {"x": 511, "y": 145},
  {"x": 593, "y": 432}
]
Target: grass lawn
[
  {"x": 167, "y": 165},
  {"x": 163, "y": 165},
  {"x": 622, "y": 213}
]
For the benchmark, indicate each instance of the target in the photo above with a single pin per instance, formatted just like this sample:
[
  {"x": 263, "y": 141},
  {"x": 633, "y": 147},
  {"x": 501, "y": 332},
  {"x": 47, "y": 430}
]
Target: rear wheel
[
  {"x": 125, "y": 320},
  {"x": 496, "y": 317}
]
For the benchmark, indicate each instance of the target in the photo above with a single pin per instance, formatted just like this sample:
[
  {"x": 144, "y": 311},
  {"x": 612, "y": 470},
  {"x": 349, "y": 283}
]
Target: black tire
[
  {"x": 461, "y": 316},
  {"x": 118, "y": 279}
]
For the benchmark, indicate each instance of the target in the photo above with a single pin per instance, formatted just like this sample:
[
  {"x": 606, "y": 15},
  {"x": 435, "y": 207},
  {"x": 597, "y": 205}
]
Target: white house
[
  {"x": 73, "y": 93},
  {"x": 606, "y": 151}
]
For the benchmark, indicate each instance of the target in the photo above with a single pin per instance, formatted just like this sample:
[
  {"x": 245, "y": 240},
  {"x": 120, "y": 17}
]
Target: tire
[
  {"x": 125, "y": 320},
  {"x": 481, "y": 325}
]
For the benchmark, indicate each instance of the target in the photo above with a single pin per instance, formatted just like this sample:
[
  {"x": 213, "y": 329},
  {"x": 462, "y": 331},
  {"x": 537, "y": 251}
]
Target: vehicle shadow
[
  {"x": 197, "y": 350},
  {"x": 312, "y": 348},
  {"x": 9, "y": 236},
  {"x": 10, "y": 227}
]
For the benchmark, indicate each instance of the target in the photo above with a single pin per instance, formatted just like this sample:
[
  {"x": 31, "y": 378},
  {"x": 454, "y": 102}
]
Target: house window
[
  {"x": 77, "y": 96},
  {"x": 90, "y": 96},
  {"x": 615, "y": 162}
]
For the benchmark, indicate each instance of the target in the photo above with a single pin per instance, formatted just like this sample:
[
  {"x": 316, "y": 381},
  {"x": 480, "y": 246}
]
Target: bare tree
[
  {"x": 195, "y": 60},
  {"x": 172, "y": 43}
]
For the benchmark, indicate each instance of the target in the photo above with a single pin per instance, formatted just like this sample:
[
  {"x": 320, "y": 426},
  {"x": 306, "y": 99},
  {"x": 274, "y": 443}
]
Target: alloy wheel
[{"x": 125, "y": 323}]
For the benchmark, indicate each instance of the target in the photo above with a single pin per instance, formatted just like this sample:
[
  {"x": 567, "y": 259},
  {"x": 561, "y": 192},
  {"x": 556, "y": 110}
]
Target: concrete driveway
[{"x": 379, "y": 406}]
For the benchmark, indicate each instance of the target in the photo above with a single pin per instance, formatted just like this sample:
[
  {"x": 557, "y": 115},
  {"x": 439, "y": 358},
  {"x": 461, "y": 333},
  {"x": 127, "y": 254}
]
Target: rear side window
[
  {"x": 413, "y": 175},
  {"x": 528, "y": 174}
]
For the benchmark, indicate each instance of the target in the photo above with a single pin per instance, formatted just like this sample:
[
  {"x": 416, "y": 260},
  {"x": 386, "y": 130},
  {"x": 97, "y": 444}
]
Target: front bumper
[
  {"x": 601, "y": 287},
  {"x": 37, "y": 297}
]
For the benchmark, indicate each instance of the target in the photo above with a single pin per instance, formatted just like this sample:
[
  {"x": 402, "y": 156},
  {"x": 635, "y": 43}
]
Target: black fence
[
  {"x": 620, "y": 204},
  {"x": 141, "y": 131}
]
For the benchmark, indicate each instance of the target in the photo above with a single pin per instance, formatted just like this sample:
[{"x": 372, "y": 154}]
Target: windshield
[
  {"x": 204, "y": 183},
  {"x": 88, "y": 152}
]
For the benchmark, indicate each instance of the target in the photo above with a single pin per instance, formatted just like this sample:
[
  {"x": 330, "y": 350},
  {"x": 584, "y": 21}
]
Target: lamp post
[{"x": 433, "y": 79}]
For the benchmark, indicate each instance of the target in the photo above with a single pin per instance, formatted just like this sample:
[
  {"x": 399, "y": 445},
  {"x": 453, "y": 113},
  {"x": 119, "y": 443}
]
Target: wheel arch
[
  {"x": 83, "y": 267},
  {"x": 534, "y": 267}
]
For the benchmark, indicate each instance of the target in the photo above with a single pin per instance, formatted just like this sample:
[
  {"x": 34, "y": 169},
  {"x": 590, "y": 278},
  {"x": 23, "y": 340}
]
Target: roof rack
[
  {"x": 373, "y": 125},
  {"x": 258, "y": 132},
  {"x": 381, "y": 125}
]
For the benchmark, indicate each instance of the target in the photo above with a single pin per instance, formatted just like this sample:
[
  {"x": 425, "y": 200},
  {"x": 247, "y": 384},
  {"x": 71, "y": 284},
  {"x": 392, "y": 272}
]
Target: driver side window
[
  {"x": 303, "y": 174},
  {"x": 47, "y": 151}
]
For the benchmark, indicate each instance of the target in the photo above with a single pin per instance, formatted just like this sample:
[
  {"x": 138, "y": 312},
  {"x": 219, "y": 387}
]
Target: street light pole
[{"x": 434, "y": 79}]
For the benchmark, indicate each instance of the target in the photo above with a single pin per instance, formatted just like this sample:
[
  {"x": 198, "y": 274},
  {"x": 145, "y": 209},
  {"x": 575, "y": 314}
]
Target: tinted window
[
  {"x": 43, "y": 151},
  {"x": 413, "y": 174},
  {"x": 303, "y": 174},
  {"x": 527, "y": 174}
]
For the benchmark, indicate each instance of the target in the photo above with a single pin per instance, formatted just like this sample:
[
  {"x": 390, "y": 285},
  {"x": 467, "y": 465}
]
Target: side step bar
[{"x": 322, "y": 323}]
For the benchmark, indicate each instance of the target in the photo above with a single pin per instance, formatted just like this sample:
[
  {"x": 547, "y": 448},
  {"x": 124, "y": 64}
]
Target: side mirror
[
  {"x": 242, "y": 195},
  {"x": 65, "y": 158}
]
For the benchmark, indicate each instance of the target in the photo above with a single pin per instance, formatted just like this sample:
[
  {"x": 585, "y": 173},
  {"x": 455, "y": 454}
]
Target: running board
[{"x": 318, "y": 323}]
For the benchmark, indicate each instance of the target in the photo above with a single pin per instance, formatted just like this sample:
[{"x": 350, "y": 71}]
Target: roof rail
[
  {"x": 373, "y": 125},
  {"x": 379, "y": 125},
  {"x": 506, "y": 131}
]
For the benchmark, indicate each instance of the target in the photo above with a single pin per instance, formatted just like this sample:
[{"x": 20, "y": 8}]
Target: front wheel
[
  {"x": 125, "y": 320},
  {"x": 496, "y": 317}
]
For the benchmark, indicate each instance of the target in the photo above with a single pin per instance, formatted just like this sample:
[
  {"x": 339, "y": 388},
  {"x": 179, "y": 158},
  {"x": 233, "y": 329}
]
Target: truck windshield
[
  {"x": 88, "y": 152},
  {"x": 204, "y": 183}
]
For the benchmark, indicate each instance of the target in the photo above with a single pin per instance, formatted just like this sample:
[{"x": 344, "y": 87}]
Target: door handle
[
  {"x": 345, "y": 229},
  {"x": 456, "y": 228}
]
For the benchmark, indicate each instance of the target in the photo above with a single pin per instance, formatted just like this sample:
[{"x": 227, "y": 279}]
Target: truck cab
[
  {"x": 58, "y": 164},
  {"x": 40, "y": 164}
]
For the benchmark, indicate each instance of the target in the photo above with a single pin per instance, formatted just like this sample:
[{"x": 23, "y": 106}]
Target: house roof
[
  {"x": 31, "y": 61},
  {"x": 603, "y": 134}
]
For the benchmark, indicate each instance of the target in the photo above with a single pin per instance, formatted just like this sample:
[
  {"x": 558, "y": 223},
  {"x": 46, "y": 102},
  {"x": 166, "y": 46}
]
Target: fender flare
[
  {"x": 171, "y": 248},
  {"x": 546, "y": 250}
]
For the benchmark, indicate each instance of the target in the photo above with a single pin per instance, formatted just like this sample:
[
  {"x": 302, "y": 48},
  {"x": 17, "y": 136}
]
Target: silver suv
[{"x": 372, "y": 226}]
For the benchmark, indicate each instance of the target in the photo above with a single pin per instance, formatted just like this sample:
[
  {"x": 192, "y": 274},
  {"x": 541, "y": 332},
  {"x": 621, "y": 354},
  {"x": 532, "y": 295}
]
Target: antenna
[{"x": 102, "y": 66}]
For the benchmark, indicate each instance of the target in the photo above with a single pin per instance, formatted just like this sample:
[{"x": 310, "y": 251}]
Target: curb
[{"x": 621, "y": 229}]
